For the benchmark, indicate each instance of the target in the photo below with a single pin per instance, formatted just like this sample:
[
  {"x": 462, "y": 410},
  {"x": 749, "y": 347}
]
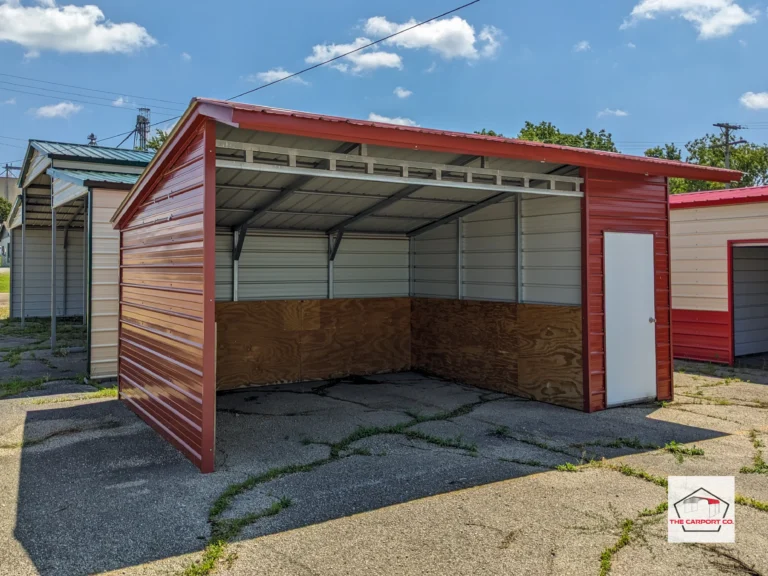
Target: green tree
[
  {"x": 485, "y": 132},
  {"x": 750, "y": 159},
  {"x": 157, "y": 141},
  {"x": 548, "y": 133},
  {"x": 5, "y": 209}
]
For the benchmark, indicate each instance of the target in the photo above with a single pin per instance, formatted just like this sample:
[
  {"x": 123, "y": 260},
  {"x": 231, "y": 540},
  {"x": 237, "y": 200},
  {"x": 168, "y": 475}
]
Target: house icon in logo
[{"x": 703, "y": 508}]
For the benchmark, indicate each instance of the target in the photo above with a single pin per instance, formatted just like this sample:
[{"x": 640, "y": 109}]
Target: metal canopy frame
[{"x": 309, "y": 165}]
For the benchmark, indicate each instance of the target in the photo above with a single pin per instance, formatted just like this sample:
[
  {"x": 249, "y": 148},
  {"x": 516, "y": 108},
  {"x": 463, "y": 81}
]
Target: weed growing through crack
[
  {"x": 628, "y": 470},
  {"x": 606, "y": 558},
  {"x": 759, "y": 465},
  {"x": 567, "y": 467},
  {"x": 101, "y": 393},
  {"x": 18, "y": 385},
  {"x": 756, "y": 442},
  {"x": 634, "y": 443},
  {"x": 680, "y": 451},
  {"x": 650, "y": 512},
  {"x": 752, "y": 503},
  {"x": 504, "y": 432}
]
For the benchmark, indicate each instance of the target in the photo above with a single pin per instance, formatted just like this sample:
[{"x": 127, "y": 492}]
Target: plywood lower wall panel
[
  {"x": 534, "y": 351},
  {"x": 273, "y": 341}
]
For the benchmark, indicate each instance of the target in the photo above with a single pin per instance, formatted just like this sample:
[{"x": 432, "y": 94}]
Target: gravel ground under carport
[{"x": 396, "y": 474}]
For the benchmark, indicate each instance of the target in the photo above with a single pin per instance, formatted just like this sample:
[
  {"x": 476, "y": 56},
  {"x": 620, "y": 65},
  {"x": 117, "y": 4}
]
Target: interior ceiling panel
[{"x": 322, "y": 212}]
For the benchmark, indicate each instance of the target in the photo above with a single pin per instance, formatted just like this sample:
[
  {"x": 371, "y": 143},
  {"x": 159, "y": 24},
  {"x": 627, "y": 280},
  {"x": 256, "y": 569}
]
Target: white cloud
[
  {"x": 631, "y": 45},
  {"x": 450, "y": 37},
  {"x": 358, "y": 62},
  {"x": 712, "y": 18},
  {"x": 432, "y": 68},
  {"x": 9, "y": 102},
  {"x": 121, "y": 102},
  {"x": 387, "y": 120},
  {"x": 60, "y": 110},
  {"x": 743, "y": 43},
  {"x": 186, "y": 56},
  {"x": 582, "y": 46},
  {"x": 401, "y": 92},
  {"x": 274, "y": 75},
  {"x": 755, "y": 100},
  {"x": 69, "y": 28},
  {"x": 611, "y": 112}
]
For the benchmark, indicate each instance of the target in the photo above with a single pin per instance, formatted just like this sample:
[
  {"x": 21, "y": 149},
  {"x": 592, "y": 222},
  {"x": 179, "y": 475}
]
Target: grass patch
[
  {"x": 532, "y": 463},
  {"x": 5, "y": 311},
  {"x": 752, "y": 503},
  {"x": 758, "y": 465},
  {"x": 756, "y": 442},
  {"x": 680, "y": 451},
  {"x": 101, "y": 393},
  {"x": 634, "y": 443},
  {"x": 628, "y": 470},
  {"x": 13, "y": 357},
  {"x": 650, "y": 512},
  {"x": 5, "y": 282},
  {"x": 18, "y": 385},
  {"x": 567, "y": 467},
  {"x": 606, "y": 558}
]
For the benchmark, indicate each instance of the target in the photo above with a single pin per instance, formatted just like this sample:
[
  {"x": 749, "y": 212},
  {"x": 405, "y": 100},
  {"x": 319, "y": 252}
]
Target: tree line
[{"x": 709, "y": 150}]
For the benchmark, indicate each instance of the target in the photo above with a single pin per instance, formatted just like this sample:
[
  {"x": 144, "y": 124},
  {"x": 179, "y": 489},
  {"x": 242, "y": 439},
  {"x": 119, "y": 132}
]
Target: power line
[
  {"x": 68, "y": 99},
  {"x": 2, "y": 82},
  {"x": 91, "y": 89},
  {"x": 313, "y": 67}
]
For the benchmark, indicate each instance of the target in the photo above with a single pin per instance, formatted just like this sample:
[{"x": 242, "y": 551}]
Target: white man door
[{"x": 630, "y": 322}]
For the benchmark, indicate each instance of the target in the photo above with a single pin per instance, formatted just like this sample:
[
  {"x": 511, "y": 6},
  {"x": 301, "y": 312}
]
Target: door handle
[{"x": 652, "y": 320}]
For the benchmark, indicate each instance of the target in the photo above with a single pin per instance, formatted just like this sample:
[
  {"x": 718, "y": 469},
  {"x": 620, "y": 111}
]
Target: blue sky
[{"x": 649, "y": 71}]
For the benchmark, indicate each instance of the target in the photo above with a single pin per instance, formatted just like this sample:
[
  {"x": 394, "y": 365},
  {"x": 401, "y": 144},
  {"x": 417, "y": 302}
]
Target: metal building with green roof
[{"x": 72, "y": 189}]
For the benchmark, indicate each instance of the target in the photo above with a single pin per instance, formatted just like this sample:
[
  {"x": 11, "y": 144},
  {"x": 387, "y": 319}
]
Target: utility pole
[{"x": 726, "y": 129}]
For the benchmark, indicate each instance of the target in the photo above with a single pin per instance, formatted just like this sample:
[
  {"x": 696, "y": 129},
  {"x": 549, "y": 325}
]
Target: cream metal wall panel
[
  {"x": 283, "y": 268},
  {"x": 699, "y": 245},
  {"x": 750, "y": 299},
  {"x": 371, "y": 267},
  {"x": 551, "y": 237},
  {"x": 105, "y": 290},
  {"x": 224, "y": 267},
  {"x": 64, "y": 191},
  {"x": 489, "y": 256},
  {"x": 38, "y": 274},
  {"x": 436, "y": 263}
]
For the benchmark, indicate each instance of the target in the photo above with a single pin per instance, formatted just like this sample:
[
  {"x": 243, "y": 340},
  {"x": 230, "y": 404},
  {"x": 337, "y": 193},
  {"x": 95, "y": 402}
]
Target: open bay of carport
[{"x": 86, "y": 487}]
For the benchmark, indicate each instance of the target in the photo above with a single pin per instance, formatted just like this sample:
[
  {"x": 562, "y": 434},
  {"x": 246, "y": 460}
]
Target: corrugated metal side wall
[
  {"x": 551, "y": 250},
  {"x": 38, "y": 274},
  {"x": 489, "y": 257},
  {"x": 750, "y": 299},
  {"x": 295, "y": 267},
  {"x": 283, "y": 268},
  {"x": 621, "y": 202},
  {"x": 165, "y": 376},
  {"x": 105, "y": 290},
  {"x": 371, "y": 268},
  {"x": 435, "y": 263}
]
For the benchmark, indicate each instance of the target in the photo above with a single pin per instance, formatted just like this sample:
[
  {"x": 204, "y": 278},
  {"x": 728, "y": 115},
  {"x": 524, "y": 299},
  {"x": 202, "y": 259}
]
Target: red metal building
[
  {"x": 264, "y": 246},
  {"x": 720, "y": 274}
]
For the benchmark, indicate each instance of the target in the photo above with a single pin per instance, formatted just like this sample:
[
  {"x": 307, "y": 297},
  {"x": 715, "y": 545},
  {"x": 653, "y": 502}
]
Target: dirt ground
[{"x": 396, "y": 474}]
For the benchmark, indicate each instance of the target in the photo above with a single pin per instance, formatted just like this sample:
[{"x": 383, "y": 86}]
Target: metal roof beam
[
  {"x": 475, "y": 207},
  {"x": 298, "y": 183},
  {"x": 396, "y": 197}
]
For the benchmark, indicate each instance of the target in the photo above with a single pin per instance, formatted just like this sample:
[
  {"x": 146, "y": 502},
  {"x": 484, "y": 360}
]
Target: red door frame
[{"x": 731, "y": 335}]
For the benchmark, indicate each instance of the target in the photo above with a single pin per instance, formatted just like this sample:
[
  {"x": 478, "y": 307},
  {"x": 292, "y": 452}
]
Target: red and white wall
[{"x": 714, "y": 271}]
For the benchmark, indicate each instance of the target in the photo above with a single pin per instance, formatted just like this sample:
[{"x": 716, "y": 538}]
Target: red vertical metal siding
[
  {"x": 621, "y": 202},
  {"x": 164, "y": 370}
]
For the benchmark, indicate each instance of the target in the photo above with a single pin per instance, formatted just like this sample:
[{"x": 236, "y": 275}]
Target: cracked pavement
[{"x": 86, "y": 487}]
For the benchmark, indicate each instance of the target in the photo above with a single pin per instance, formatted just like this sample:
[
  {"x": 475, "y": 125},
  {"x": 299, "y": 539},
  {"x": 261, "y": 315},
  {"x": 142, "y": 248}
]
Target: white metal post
[
  {"x": 460, "y": 258},
  {"x": 64, "y": 299},
  {"x": 23, "y": 256},
  {"x": 519, "y": 245},
  {"x": 235, "y": 267},
  {"x": 411, "y": 266},
  {"x": 330, "y": 267},
  {"x": 53, "y": 278},
  {"x": 85, "y": 265}
]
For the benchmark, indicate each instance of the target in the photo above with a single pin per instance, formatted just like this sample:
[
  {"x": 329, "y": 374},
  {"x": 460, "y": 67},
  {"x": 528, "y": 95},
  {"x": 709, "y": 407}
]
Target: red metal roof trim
[
  {"x": 719, "y": 197},
  {"x": 254, "y": 117}
]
